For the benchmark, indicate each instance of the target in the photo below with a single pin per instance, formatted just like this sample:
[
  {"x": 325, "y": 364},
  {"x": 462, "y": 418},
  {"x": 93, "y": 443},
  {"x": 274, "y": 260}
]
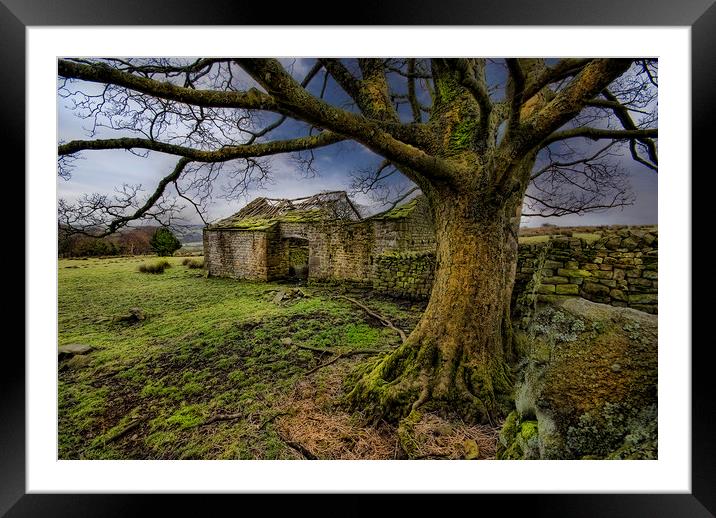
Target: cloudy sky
[{"x": 102, "y": 171}]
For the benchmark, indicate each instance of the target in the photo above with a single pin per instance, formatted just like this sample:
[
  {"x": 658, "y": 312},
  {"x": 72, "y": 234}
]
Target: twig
[
  {"x": 377, "y": 316},
  {"x": 124, "y": 431},
  {"x": 277, "y": 414},
  {"x": 298, "y": 447},
  {"x": 221, "y": 417},
  {"x": 317, "y": 367},
  {"x": 343, "y": 355}
]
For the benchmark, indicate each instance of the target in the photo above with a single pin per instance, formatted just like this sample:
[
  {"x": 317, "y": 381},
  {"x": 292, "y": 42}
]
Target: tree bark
[{"x": 455, "y": 360}]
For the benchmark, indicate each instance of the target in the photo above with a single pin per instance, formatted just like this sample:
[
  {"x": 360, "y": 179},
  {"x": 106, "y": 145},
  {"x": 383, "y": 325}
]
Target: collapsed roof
[{"x": 262, "y": 213}]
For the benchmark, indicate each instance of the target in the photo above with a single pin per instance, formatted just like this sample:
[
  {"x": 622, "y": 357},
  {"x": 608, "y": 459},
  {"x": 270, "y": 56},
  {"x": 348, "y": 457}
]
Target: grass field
[{"x": 216, "y": 370}]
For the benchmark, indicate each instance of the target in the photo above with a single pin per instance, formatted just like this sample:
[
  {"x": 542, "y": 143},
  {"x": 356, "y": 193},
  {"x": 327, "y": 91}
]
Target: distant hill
[
  {"x": 127, "y": 241},
  {"x": 190, "y": 234}
]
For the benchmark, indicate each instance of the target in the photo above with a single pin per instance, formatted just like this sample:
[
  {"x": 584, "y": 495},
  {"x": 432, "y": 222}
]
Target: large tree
[{"x": 480, "y": 138}]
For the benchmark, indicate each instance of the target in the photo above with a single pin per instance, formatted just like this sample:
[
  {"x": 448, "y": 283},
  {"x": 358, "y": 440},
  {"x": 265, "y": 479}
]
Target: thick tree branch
[
  {"x": 103, "y": 73},
  {"x": 600, "y": 134},
  {"x": 296, "y": 100},
  {"x": 473, "y": 78},
  {"x": 590, "y": 81},
  {"x": 517, "y": 85},
  {"x": 563, "y": 69},
  {"x": 347, "y": 81},
  {"x": 412, "y": 98},
  {"x": 325, "y": 138},
  {"x": 375, "y": 92}
]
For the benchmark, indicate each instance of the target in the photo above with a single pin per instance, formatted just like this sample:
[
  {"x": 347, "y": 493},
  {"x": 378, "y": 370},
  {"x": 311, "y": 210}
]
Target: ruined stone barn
[
  {"x": 320, "y": 237},
  {"x": 323, "y": 238}
]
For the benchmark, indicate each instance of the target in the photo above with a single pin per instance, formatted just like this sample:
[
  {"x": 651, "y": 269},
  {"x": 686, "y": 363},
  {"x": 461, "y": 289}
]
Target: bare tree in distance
[{"x": 480, "y": 138}]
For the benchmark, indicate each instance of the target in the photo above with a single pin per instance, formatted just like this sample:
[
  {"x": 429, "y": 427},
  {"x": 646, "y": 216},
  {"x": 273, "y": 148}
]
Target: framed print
[{"x": 36, "y": 36}]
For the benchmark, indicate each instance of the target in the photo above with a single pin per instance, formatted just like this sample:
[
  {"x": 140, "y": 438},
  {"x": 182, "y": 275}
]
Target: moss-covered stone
[
  {"x": 567, "y": 289},
  {"x": 587, "y": 386}
]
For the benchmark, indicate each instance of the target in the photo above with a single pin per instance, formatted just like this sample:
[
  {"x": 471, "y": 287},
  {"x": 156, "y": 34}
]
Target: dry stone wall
[
  {"x": 241, "y": 255},
  {"x": 620, "y": 269},
  {"x": 407, "y": 275},
  {"x": 395, "y": 255}
]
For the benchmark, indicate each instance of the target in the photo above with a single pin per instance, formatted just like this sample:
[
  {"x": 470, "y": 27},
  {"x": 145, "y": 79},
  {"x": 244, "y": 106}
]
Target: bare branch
[
  {"x": 601, "y": 134},
  {"x": 103, "y": 73},
  {"x": 220, "y": 155},
  {"x": 303, "y": 105}
]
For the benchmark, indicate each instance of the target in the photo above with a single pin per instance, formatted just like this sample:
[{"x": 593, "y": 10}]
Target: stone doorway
[{"x": 297, "y": 257}]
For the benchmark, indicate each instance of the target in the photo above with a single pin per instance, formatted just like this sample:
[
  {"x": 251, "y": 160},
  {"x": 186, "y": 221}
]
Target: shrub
[
  {"x": 194, "y": 264},
  {"x": 186, "y": 261},
  {"x": 164, "y": 242},
  {"x": 158, "y": 267}
]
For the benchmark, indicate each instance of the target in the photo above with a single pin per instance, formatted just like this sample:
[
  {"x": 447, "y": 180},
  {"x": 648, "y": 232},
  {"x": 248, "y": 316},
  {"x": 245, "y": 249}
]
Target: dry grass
[
  {"x": 328, "y": 432},
  {"x": 314, "y": 422},
  {"x": 438, "y": 438}
]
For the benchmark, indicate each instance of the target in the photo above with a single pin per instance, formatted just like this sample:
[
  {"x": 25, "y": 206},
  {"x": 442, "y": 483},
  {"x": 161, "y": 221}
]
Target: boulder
[
  {"x": 135, "y": 315},
  {"x": 586, "y": 386},
  {"x": 67, "y": 351}
]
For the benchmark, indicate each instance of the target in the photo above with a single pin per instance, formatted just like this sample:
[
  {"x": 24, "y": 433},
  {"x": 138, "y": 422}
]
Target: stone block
[
  {"x": 603, "y": 274},
  {"x": 592, "y": 288},
  {"x": 567, "y": 289},
  {"x": 643, "y": 298},
  {"x": 618, "y": 295},
  {"x": 563, "y": 272},
  {"x": 554, "y": 280}
]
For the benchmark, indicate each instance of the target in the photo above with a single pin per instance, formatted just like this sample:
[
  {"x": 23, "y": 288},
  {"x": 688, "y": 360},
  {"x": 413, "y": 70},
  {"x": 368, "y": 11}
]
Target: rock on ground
[
  {"x": 67, "y": 351},
  {"x": 586, "y": 386}
]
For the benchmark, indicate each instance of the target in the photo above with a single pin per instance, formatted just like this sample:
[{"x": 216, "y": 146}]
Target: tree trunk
[{"x": 455, "y": 359}]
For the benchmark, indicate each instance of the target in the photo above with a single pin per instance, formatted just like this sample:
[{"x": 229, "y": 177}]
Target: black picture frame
[{"x": 700, "y": 15}]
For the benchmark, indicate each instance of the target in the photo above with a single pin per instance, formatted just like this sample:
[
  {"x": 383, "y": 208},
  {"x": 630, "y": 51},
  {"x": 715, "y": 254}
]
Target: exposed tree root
[
  {"x": 342, "y": 355},
  {"x": 297, "y": 447},
  {"x": 377, "y": 316},
  {"x": 419, "y": 377},
  {"x": 315, "y": 349},
  {"x": 273, "y": 417},
  {"x": 124, "y": 431}
]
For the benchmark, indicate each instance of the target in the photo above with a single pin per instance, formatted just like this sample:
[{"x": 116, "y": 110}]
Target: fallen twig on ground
[
  {"x": 124, "y": 431},
  {"x": 221, "y": 417},
  {"x": 377, "y": 316},
  {"x": 277, "y": 414},
  {"x": 297, "y": 446}
]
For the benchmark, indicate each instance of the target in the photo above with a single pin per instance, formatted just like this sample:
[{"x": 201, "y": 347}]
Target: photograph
[
  {"x": 268, "y": 254},
  {"x": 357, "y": 258}
]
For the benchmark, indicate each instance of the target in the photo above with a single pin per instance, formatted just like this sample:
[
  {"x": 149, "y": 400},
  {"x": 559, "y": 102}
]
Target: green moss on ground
[{"x": 208, "y": 346}]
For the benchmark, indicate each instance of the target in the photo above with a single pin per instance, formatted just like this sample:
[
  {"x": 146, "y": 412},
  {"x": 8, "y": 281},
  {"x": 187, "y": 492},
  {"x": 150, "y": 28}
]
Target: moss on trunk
[{"x": 455, "y": 360}]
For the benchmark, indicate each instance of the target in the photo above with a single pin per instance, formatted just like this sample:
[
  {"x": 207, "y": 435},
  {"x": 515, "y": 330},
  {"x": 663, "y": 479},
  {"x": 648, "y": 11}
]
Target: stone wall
[
  {"x": 241, "y": 255},
  {"x": 337, "y": 250},
  {"x": 395, "y": 255},
  {"x": 620, "y": 269},
  {"x": 414, "y": 233},
  {"x": 405, "y": 274}
]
